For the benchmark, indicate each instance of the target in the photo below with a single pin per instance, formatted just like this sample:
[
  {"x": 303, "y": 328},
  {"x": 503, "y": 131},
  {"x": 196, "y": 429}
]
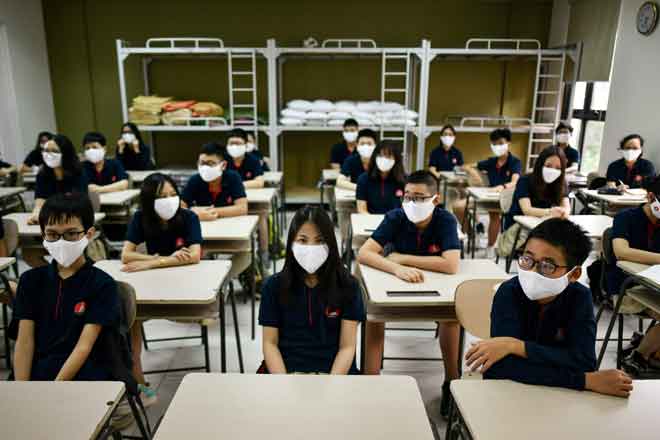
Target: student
[
  {"x": 631, "y": 170},
  {"x": 421, "y": 236},
  {"x": 173, "y": 237},
  {"x": 543, "y": 193},
  {"x": 311, "y": 309},
  {"x": 563, "y": 134},
  {"x": 246, "y": 165},
  {"x": 543, "y": 330},
  {"x": 503, "y": 170},
  {"x": 357, "y": 164},
  {"x": 214, "y": 191},
  {"x": 104, "y": 175},
  {"x": 343, "y": 150},
  {"x": 380, "y": 189},
  {"x": 64, "y": 308},
  {"x": 34, "y": 159},
  {"x": 253, "y": 149},
  {"x": 132, "y": 152},
  {"x": 446, "y": 156}
]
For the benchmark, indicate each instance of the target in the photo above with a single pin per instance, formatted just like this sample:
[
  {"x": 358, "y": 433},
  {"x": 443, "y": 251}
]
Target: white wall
[
  {"x": 634, "y": 103},
  {"x": 28, "y": 65}
]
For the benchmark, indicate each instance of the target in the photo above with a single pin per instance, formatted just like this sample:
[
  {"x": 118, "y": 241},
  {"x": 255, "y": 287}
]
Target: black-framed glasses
[
  {"x": 208, "y": 163},
  {"x": 52, "y": 236},
  {"x": 415, "y": 199},
  {"x": 546, "y": 268}
]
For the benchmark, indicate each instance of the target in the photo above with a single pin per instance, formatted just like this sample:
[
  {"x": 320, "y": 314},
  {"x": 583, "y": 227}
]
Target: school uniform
[
  {"x": 446, "y": 160},
  {"x": 47, "y": 185},
  {"x": 401, "y": 235},
  {"x": 381, "y": 195},
  {"x": 135, "y": 161},
  {"x": 559, "y": 337},
  {"x": 634, "y": 226},
  {"x": 353, "y": 168},
  {"x": 260, "y": 157},
  {"x": 499, "y": 175},
  {"x": 309, "y": 329},
  {"x": 112, "y": 172},
  {"x": 250, "y": 167},
  {"x": 340, "y": 152},
  {"x": 60, "y": 309},
  {"x": 197, "y": 192},
  {"x": 34, "y": 158},
  {"x": 524, "y": 191},
  {"x": 572, "y": 156},
  {"x": 633, "y": 177},
  {"x": 166, "y": 241}
]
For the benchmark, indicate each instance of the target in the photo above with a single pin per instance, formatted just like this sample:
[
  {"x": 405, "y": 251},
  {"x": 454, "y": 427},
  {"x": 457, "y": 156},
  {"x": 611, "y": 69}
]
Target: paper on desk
[
  {"x": 652, "y": 273},
  {"x": 638, "y": 192}
]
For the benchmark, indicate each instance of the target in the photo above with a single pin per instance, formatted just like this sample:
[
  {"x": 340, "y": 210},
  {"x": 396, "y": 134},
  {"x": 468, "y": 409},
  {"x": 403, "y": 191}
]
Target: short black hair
[
  {"x": 93, "y": 136},
  {"x": 448, "y": 127},
  {"x": 212, "y": 149},
  {"x": 62, "y": 207},
  {"x": 625, "y": 140},
  {"x": 500, "y": 133},
  {"x": 238, "y": 133},
  {"x": 350, "y": 122},
  {"x": 368, "y": 132},
  {"x": 424, "y": 177},
  {"x": 567, "y": 236},
  {"x": 563, "y": 126}
]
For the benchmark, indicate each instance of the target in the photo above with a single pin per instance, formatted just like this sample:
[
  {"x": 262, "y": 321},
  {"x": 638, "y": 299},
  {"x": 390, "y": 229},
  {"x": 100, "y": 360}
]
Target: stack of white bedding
[{"x": 322, "y": 112}]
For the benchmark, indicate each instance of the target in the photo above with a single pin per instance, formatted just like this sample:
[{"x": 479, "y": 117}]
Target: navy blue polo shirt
[
  {"x": 381, "y": 195},
  {"x": 572, "y": 156},
  {"x": 113, "y": 171},
  {"x": 634, "y": 226},
  {"x": 353, "y": 167},
  {"x": 439, "y": 236},
  {"x": 500, "y": 176},
  {"x": 34, "y": 158},
  {"x": 136, "y": 162},
  {"x": 524, "y": 191},
  {"x": 559, "y": 337},
  {"x": 250, "y": 167},
  {"x": 309, "y": 329},
  {"x": 340, "y": 152},
  {"x": 60, "y": 309},
  {"x": 197, "y": 192},
  {"x": 260, "y": 157},
  {"x": 187, "y": 233},
  {"x": 446, "y": 160},
  {"x": 633, "y": 177},
  {"x": 47, "y": 184}
]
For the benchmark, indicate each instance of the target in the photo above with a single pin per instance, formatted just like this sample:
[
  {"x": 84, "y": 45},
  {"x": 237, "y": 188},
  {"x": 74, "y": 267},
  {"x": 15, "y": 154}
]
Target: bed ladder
[
  {"x": 242, "y": 71},
  {"x": 546, "y": 107},
  {"x": 395, "y": 82}
]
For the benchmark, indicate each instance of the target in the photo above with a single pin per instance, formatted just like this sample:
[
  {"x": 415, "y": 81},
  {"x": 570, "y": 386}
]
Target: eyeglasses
[
  {"x": 415, "y": 199},
  {"x": 546, "y": 268},
  {"x": 208, "y": 163},
  {"x": 52, "y": 236}
]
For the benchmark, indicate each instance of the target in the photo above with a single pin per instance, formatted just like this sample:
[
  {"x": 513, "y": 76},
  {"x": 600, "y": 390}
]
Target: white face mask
[
  {"x": 550, "y": 174},
  {"x": 447, "y": 141},
  {"x": 167, "y": 207},
  {"x": 236, "y": 150},
  {"x": 631, "y": 155},
  {"x": 310, "y": 257},
  {"x": 350, "y": 136},
  {"x": 536, "y": 286},
  {"x": 655, "y": 208},
  {"x": 418, "y": 212},
  {"x": 53, "y": 160},
  {"x": 208, "y": 173},
  {"x": 66, "y": 252},
  {"x": 366, "y": 150},
  {"x": 384, "y": 164},
  {"x": 129, "y": 138},
  {"x": 563, "y": 138},
  {"x": 499, "y": 150},
  {"x": 250, "y": 147},
  {"x": 95, "y": 155}
]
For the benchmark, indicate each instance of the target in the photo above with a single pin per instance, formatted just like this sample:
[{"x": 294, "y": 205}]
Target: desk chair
[{"x": 506, "y": 200}]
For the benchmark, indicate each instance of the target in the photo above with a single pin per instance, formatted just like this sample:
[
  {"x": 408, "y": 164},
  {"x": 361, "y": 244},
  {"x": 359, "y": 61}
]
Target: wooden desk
[
  {"x": 32, "y": 231},
  {"x": 450, "y": 178},
  {"x": 329, "y": 175},
  {"x": 483, "y": 197},
  {"x": 362, "y": 226},
  {"x": 622, "y": 201},
  {"x": 282, "y": 407},
  {"x": 119, "y": 198},
  {"x": 57, "y": 410},
  {"x": 576, "y": 181},
  {"x": 138, "y": 176},
  {"x": 230, "y": 228},
  {"x": 10, "y": 192},
  {"x": 506, "y": 410},
  {"x": 593, "y": 225},
  {"x": 6, "y": 262},
  {"x": 273, "y": 178}
]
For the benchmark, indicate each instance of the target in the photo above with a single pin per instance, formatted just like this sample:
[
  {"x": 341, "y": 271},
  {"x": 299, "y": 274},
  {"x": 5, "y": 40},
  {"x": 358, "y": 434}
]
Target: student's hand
[
  {"x": 498, "y": 188},
  {"x": 409, "y": 274},
  {"x": 137, "y": 266},
  {"x": 94, "y": 188},
  {"x": 484, "y": 354},
  {"x": 611, "y": 382},
  {"x": 136, "y": 146},
  {"x": 558, "y": 211},
  {"x": 121, "y": 144},
  {"x": 622, "y": 188},
  {"x": 396, "y": 258},
  {"x": 206, "y": 214},
  {"x": 33, "y": 220},
  {"x": 183, "y": 255}
]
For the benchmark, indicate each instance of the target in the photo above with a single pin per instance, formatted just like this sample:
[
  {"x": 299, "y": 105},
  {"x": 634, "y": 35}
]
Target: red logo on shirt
[
  {"x": 248, "y": 174},
  {"x": 453, "y": 160},
  {"x": 79, "y": 309},
  {"x": 332, "y": 312},
  {"x": 114, "y": 178},
  {"x": 508, "y": 173},
  {"x": 434, "y": 249},
  {"x": 399, "y": 193},
  {"x": 561, "y": 334},
  {"x": 229, "y": 200},
  {"x": 180, "y": 242},
  {"x": 638, "y": 178}
]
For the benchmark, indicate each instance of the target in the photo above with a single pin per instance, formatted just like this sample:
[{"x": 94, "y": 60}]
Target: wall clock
[{"x": 647, "y": 18}]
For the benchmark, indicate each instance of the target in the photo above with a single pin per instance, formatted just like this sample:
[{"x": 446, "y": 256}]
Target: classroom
[{"x": 436, "y": 219}]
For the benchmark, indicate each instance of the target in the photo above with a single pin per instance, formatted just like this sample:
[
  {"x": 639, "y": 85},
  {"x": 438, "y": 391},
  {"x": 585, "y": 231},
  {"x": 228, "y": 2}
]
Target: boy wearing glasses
[
  {"x": 214, "y": 191},
  {"x": 543, "y": 330},
  {"x": 64, "y": 308},
  {"x": 421, "y": 235}
]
